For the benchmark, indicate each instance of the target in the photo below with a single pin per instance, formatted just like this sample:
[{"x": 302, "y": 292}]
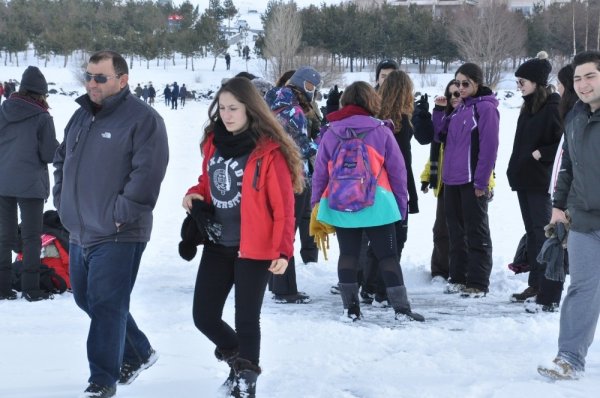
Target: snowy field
[{"x": 467, "y": 347}]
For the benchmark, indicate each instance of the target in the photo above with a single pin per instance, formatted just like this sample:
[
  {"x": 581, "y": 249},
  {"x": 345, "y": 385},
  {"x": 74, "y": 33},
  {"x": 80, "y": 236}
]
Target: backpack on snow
[{"x": 352, "y": 184}]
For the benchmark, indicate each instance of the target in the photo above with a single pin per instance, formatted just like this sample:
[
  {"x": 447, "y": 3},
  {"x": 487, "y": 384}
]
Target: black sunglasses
[
  {"x": 464, "y": 83},
  {"x": 455, "y": 94},
  {"x": 100, "y": 79}
]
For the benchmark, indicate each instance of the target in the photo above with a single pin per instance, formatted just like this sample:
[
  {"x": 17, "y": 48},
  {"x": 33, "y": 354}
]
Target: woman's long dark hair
[
  {"x": 449, "y": 109},
  {"x": 569, "y": 96},
  {"x": 263, "y": 124},
  {"x": 540, "y": 96}
]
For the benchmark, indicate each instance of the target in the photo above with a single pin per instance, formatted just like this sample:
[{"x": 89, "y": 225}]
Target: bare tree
[
  {"x": 488, "y": 36},
  {"x": 282, "y": 37}
]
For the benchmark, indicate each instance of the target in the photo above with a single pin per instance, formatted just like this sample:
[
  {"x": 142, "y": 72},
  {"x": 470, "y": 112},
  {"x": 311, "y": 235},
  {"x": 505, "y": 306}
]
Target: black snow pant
[
  {"x": 373, "y": 279},
  {"x": 536, "y": 210},
  {"x": 220, "y": 269},
  {"x": 286, "y": 284},
  {"x": 470, "y": 243},
  {"x": 439, "y": 255}
]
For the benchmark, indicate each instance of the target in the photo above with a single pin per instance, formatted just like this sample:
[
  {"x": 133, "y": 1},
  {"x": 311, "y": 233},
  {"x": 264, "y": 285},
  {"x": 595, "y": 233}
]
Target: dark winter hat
[
  {"x": 386, "y": 64},
  {"x": 536, "y": 69},
  {"x": 34, "y": 81},
  {"x": 305, "y": 73}
]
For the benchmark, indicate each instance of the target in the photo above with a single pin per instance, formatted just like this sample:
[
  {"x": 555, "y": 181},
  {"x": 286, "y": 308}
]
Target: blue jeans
[
  {"x": 581, "y": 306},
  {"x": 102, "y": 277}
]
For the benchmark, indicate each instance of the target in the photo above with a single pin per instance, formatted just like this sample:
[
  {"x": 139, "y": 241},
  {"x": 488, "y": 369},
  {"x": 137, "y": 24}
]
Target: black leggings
[
  {"x": 220, "y": 269},
  {"x": 383, "y": 243}
]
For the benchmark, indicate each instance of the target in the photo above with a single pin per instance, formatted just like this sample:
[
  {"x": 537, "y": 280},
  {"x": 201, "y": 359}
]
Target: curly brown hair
[
  {"x": 397, "y": 98},
  {"x": 263, "y": 124}
]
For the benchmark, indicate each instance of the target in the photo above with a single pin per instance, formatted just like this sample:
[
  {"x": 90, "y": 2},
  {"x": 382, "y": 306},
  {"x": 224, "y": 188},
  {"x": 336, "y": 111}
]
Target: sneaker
[
  {"x": 298, "y": 298},
  {"x": 559, "y": 370},
  {"x": 130, "y": 371},
  {"x": 453, "y": 288},
  {"x": 97, "y": 391},
  {"x": 335, "y": 289},
  {"x": 472, "y": 292},
  {"x": 10, "y": 295},
  {"x": 37, "y": 295},
  {"x": 524, "y": 295},
  {"x": 366, "y": 297},
  {"x": 404, "y": 316},
  {"x": 380, "y": 301},
  {"x": 533, "y": 308}
]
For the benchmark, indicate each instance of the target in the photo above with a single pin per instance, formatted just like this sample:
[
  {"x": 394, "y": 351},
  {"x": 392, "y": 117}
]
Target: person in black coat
[
  {"x": 539, "y": 129},
  {"x": 27, "y": 145}
]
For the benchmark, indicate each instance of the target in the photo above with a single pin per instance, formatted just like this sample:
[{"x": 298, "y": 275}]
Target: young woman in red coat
[{"x": 250, "y": 171}]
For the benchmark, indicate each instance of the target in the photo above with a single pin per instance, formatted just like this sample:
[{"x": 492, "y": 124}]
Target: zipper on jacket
[
  {"x": 256, "y": 174},
  {"x": 75, "y": 189}
]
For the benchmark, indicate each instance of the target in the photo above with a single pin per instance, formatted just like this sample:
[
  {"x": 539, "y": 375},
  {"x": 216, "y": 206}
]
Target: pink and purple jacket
[{"x": 391, "y": 195}]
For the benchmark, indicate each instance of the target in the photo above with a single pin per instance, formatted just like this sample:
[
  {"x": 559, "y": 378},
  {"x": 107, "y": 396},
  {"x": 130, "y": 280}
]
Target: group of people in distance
[{"x": 270, "y": 166}]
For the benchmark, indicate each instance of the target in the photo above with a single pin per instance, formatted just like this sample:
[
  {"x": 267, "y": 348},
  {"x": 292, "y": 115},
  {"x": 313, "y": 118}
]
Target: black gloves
[
  {"x": 203, "y": 213},
  {"x": 333, "y": 99},
  {"x": 422, "y": 104},
  {"x": 197, "y": 228}
]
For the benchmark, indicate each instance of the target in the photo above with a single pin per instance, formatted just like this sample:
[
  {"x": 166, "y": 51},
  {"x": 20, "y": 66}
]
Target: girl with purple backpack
[{"x": 353, "y": 141}]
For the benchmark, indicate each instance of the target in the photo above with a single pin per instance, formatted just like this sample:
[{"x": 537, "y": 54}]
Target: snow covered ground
[{"x": 466, "y": 348}]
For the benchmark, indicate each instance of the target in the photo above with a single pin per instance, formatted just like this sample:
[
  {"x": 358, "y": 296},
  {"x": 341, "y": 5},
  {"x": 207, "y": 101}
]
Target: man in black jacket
[
  {"x": 578, "y": 190},
  {"x": 109, "y": 169}
]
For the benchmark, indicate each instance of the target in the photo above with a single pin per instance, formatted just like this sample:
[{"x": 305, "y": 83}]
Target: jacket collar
[
  {"x": 109, "y": 105},
  {"x": 347, "y": 111}
]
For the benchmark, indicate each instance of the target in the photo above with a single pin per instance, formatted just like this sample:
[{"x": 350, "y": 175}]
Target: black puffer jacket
[
  {"x": 539, "y": 131},
  {"x": 27, "y": 145}
]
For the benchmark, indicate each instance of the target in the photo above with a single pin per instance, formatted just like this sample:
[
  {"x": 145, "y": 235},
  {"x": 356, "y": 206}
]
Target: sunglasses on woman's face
[
  {"x": 464, "y": 83},
  {"x": 455, "y": 94}
]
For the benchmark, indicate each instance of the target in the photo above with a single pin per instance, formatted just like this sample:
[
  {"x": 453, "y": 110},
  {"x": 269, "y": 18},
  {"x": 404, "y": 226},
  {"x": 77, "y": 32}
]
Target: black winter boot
[
  {"x": 350, "y": 299},
  {"x": 398, "y": 299},
  {"x": 228, "y": 356},
  {"x": 246, "y": 373},
  {"x": 30, "y": 286},
  {"x": 6, "y": 292}
]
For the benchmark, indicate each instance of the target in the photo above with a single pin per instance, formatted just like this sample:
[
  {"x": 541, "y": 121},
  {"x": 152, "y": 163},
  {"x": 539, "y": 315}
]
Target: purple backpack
[{"x": 352, "y": 185}]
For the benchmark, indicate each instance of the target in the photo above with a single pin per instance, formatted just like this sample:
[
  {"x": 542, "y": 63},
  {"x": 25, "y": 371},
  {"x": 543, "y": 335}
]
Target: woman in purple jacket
[{"x": 470, "y": 135}]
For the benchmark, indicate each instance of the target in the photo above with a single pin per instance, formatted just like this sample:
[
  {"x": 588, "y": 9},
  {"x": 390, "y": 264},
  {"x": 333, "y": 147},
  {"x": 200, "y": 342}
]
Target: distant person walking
[
  {"x": 182, "y": 94},
  {"x": 151, "y": 94},
  {"x": 167, "y": 94},
  {"x": 227, "y": 60},
  {"x": 174, "y": 95}
]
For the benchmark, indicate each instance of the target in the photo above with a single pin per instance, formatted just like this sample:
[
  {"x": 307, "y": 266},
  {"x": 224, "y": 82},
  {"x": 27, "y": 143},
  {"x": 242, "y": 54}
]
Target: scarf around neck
[{"x": 230, "y": 145}]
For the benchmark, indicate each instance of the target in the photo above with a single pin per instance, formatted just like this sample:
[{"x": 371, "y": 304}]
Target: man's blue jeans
[{"x": 102, "y": 277}]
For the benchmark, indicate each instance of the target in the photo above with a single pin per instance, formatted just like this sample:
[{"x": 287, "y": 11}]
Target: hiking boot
[
  {"x": 559, "y": 370},
  {"x": 472, "y": 292},
  {"x": 298, "y": 298},
  {"x": 524, "y": 295},
  {"x": 335, "y": 289},
  {"x": 37, "y": 295},
  {"x": 532, "y": 307},
  {"x": 10, "y": 295},
  {"x": 97, "y": 391},
  {"x": 130, "y": 371},
  {"x": 453, "y": 288}
]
